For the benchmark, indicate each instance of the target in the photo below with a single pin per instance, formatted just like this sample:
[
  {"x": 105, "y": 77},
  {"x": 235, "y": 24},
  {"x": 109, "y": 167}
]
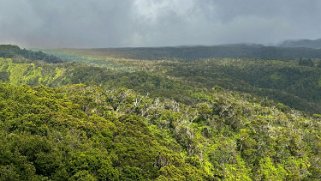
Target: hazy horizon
[{"x": 147, "y": 23}]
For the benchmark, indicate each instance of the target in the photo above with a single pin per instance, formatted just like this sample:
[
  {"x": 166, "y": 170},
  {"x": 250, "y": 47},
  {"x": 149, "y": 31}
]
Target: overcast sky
[{"x": 119, "y": 23}]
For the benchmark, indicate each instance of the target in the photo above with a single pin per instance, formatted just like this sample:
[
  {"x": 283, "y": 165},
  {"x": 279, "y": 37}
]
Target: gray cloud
[{"x": 115, "y": 23}]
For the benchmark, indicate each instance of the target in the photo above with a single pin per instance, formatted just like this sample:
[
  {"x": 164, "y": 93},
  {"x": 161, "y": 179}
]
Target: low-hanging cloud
[{"x": 119, "y": 23}]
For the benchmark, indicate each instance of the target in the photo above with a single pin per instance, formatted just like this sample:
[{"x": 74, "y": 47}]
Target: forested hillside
[
  {"x": 302, "y": 43},
  {"x": 293, "y": 82},
  {"x": 91, "y": 133},
  {"x": 254, "y": 51},
  {"x": 103, "y": 118},
  {"x": 13, "y": 51}
]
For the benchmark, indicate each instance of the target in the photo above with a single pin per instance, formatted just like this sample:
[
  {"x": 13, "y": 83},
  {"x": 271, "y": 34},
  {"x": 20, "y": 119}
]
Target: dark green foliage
[
  {"x": 284, "y": 81},
  {"x": 306, "y": 62},
  {"x": 12, "y": 51},
  {"x": 4, "y": 76}
]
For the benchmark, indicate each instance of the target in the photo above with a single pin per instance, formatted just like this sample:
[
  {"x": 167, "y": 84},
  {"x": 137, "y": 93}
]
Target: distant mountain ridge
[
  {"x": 306, "y": 43},
  {"x": 203, "y": 52},
  {"x": 11, "y": 51}
]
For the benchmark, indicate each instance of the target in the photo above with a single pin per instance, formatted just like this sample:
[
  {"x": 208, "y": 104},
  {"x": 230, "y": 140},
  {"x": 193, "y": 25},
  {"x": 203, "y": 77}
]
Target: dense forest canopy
[{"x": 97, "y": 117}]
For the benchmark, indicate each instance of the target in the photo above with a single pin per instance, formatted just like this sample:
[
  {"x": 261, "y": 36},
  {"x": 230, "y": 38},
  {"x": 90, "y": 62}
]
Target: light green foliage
[
  {"x": 32, "y": 73},
  {"x": 276, "y": 77},
  {"x": 81, "y": 132},
  {"x": 268, "y": 171}
]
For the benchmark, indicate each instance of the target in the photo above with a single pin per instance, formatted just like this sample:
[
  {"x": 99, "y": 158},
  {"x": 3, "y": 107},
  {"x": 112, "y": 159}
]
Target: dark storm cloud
[{"x": 107, "y": 23}]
